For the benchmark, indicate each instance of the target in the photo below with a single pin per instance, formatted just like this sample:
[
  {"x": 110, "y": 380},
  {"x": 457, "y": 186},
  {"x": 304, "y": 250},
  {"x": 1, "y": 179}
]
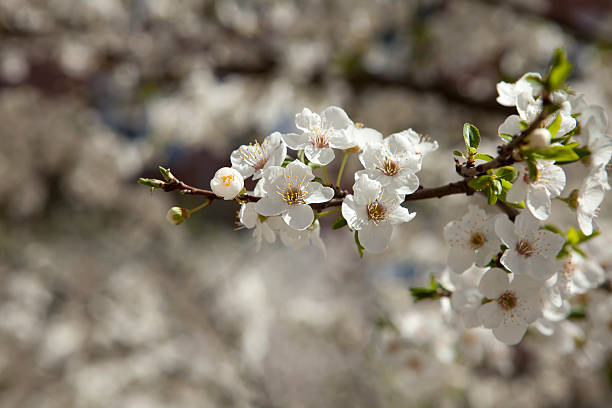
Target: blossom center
[
  {"x": 507, "y": 301},
  {"x": 227, "y": 180},
  {"x": 477, "y": 240},
  {"x": 389, "y": 167},
  {"x": 292, "y": 193},
  {"x": 376, "y": 212},
  {"x": 254, "y": 155},
  {"x": 320, "y": 139},
  {"x": 524, "y": 248}
]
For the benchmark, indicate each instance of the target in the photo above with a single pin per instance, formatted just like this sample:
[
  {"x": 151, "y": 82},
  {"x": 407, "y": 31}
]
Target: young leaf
[
  {"x": 507, "y": 173},
  {"x": 560, "y": 70},
  {"x": 339, "y": 223},
  {"x": 557, "y": 153},
  {"x": 482, "y": 156},
  {"x": 479, "y": 183},
  {"x": 554, "y": 127},
  {"x": 471, "y": 136},
  {"x": 533, "y": 170}
]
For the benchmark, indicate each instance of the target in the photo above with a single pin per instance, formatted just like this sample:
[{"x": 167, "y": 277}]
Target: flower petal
[
  {"x": 375, "y": 238},
  {"x": 355, "y": 215},
  {"x": 269, "y": 206},
  {"x": 336, "y": 117},
  {"x": 490, "y": 314},
  {"x": 514, "y": 261},
  {"x": 248, "y": 215},
  {"x": 505, "y": 230},
  {"x": 366, "y": 190},
  {"x": 317, "y": 193},
  {"x": 307, "y": 120},
  {"x": 296, "y": 141},
  {"x": 299, "y": 216},
  {"x": 459, "y": 259},
  {"x": 322, "y": 156},
  {"x": 510, "y": 334},
  {"x": 494, "y": 283},
  {"x": 538, "y": 202},
  {"x": 400, "y": 215}
]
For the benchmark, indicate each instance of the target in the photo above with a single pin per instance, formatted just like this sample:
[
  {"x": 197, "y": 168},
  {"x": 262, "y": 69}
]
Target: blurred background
[{"x": 103, "y": 303}]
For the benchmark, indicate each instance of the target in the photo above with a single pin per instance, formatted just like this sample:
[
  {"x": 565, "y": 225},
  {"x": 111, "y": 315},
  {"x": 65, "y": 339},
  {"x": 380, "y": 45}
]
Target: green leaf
[
  {"x": 482, "y": 156},
  {"x": 506, "y": 136},
  {"x": 554, "y": 127},
  {"x": 166, "y": 174},
  {"x": 506, "y": 185},
  {"x": 582, "y": 152},
  {"x": 507, "y": 173},
  {"x": 491, "y": 196},
  {"x": 533, "y": 170},
  {"x": 471, "y": 136},
  {"x": 556, "y": 153},
  {"x": 559, "y": 71},
  {"x": 153, "y": 183},
  {"x": 359, "y": 247},
  {"x": 457, "y": 153},
  {"x": 339, "y": 223},
  {"x": 480, "y": 183}
]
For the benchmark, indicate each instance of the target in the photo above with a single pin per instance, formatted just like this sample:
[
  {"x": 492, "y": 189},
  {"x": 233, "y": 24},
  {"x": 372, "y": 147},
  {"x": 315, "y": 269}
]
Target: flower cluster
[
  {"x": 287, "y": 187},
  {"x": 522, "y": 272}
]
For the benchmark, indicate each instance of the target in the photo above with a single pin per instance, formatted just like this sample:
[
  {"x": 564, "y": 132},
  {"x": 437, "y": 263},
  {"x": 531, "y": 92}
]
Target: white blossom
[
  {"x": 393, "y": 163},
  {"x": 364, "y": 136},
  {"x": 298, "y": 240},
  {"x": 471, "y": 239},
  {"x": 508, "y": 93},
  {"x": 252, "y": 159},
  {"x": 373, "y": 210},
  {"x": 319, "y": 134},
  {"x": 531, "y": 250},
  {"x": 260, "y": 225},
  {"x": 512, "y": 306},
  {"x": 537, "y": 194},
  {"x": 590, "y": 197},
  {"x": 288, "y": 191},
  {"x": 578, "y": 275},
  {"x": 227, "y": 183}
]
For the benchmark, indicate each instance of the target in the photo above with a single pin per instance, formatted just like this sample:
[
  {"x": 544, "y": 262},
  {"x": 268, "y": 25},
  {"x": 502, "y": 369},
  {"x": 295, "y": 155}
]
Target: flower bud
[
  {"x": 539, "y": 138},
  {"x": 177, "y": 215},
  {"x": 227, "y": 183}
]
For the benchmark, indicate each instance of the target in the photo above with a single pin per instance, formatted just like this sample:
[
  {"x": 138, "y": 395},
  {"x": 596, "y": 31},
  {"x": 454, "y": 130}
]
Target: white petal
[
  {"x": 405, "y": 183},
  {"x": 268, "y": 233},
  {"x": 248, "y": 215},
  {"x": 336, "y": 117},
  {"x": 506, "y": 95},
  {"x": 511, "y": 126},
  {"x": 375, "y": 238},
  {"x": 277, "y": 149},
  {"x": 399, "y": 142},
  {"x": 505, "y": 231},
  {"x": 366, "y": 190},
  {"x": 525, "y": 224},
  {"x": 513, "y": 261},
  {"x": 307, "y": 120},
  {"x": 322, "y": 156},
  {"x": 299, "y": 216},
  {"x": 510, "y": 334},
  {"x": 318, "y": 194},
  {"x": 518, "y": 191},
  {"x": 400, "y": 215},
  {"x": 548, "y": 244},
  {"x": 355, "y": 215},
  {"x": 269, "y": 206},
  {"x": 298, "y": 170},
  {"x": 541, "y": 268},
  {"x": 459, "y": 259},
  {"x": 494, "y": 283},
  {"x": 490, "y": 314},
  {"x": 538, "y": 202},
  {"x": 296, "y": 141},
  {"x": 486, "y": 253}
]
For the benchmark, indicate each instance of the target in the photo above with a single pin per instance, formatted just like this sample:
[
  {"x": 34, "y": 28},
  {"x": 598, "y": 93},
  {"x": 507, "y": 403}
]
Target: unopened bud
[
  {"x": 539, "y": 138},
  {"x": 177, "y": 215},
  {"x": 227, "y": 183}
]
